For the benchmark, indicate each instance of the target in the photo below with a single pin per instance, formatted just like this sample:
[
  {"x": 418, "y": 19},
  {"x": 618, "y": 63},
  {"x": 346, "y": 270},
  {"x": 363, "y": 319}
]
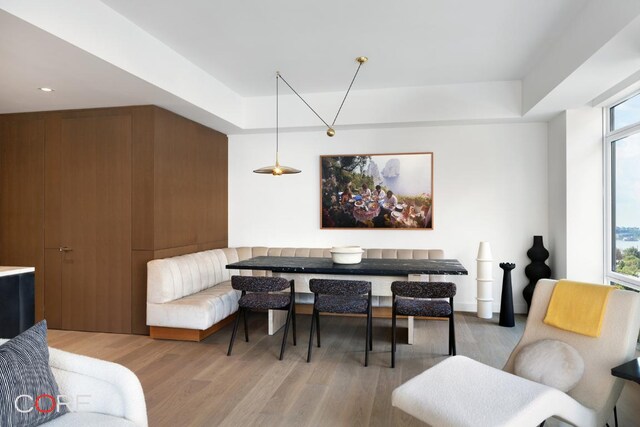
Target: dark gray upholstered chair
[
  {"x": 408, "y": 300},
  {"x": 257, "y": 296},
  {"x": 341, "y": 296}
]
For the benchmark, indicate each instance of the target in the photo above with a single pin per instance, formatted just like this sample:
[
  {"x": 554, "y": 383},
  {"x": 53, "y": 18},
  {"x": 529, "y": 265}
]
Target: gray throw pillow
[
  {"x": 28, "y": 390},
  {"x": 550, "y": 362}
]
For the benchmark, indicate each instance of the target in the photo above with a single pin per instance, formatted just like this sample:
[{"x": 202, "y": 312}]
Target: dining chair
[
  {"x": 413, "y": 299},
  {"x": 341, "y": 296},
  {"x": 264, "y": 293}
]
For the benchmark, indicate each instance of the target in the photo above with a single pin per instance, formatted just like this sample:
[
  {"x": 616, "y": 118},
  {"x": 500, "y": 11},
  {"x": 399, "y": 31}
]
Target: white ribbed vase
[{"x": 485, "y": 281}]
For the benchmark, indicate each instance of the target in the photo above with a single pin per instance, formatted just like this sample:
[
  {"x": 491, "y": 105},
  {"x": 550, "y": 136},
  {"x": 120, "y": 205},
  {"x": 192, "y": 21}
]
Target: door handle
[{"x": 64, "y": 249}]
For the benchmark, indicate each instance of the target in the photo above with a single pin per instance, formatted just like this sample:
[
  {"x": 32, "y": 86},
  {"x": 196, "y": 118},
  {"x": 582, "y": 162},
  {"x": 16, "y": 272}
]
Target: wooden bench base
[{"x": 182, "y": 334}]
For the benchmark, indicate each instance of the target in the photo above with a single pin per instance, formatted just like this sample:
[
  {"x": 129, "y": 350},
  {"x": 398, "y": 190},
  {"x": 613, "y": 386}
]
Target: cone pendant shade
[{"x": 277, "y": 170}]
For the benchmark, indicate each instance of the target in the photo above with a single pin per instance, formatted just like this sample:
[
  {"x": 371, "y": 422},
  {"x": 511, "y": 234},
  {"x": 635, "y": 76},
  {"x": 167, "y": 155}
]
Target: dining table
[{"x": 381, "y": 272}]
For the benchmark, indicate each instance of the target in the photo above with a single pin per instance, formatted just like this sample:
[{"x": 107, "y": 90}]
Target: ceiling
[
  {"x": 430, "y": 62},
  {"x": 313, "y": 44},
  {"x": 32, "y": 58}
]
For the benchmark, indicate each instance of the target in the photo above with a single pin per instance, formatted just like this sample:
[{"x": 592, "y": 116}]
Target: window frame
[{"x": 611, "y": 136}]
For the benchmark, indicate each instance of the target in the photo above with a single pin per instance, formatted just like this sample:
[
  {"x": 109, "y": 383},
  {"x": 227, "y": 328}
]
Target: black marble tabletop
[
  {"x": 628, "y": 371},
  {"x": 368, "y": 266}
]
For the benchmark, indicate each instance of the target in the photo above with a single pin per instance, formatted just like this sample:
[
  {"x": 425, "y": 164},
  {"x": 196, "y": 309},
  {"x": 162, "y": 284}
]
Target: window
[
  {"x": 622, "y": 145},
  {"x": 625, "y": 113}
]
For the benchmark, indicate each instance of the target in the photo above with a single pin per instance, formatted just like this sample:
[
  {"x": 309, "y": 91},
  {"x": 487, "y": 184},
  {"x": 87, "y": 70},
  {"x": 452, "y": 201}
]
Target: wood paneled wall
[
  {"x": 158, "y": 188},
  {"x": 190, "y": 205},
  {"x": 179, "y": 184}
]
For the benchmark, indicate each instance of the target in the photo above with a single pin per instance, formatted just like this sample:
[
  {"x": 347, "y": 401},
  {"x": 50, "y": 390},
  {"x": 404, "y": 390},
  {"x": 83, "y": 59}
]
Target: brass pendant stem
[
  {"x": 361, "y": 60},
  {"x": 305, "y": 102}
]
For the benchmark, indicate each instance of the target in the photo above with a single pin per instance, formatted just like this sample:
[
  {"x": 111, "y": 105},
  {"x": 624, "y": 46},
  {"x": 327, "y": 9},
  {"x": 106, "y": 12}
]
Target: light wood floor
[{"x": 196, "y": 384}]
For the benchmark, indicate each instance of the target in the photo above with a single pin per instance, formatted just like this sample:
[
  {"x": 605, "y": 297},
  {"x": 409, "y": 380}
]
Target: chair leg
[
  {"x": 393, "y": 334},
  {"x": 370, "y": 325},
  {"x": 293, "y": 319},
  {"x": 235, "y": 329},
  {"x": 246, "y": 328},
  {"x": 313, "y": 322},
  {"x": 367, "y": 341},
  {"x": 286, "y": 331},
  {"x": 450, "y": 341},
  {"x": 318, "y": 326},
  {"x": 615, "y": 415},
  {"x": 452, "y": 332},
  {"x": 292, "y": 284}
]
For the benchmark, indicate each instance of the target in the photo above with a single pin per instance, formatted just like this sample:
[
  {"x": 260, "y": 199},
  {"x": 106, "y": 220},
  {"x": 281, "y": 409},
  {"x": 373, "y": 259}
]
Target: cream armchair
[
  {"x": 100, "y": 393},
  {"x": 462, "y": 392}
]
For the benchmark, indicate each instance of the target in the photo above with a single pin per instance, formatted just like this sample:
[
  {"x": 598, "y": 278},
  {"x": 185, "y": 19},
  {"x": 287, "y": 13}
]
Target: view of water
[{"x": 621, "y": 244}]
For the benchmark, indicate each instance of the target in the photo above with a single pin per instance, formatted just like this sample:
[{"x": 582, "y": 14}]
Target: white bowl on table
[{"x": 346, "y": 254}]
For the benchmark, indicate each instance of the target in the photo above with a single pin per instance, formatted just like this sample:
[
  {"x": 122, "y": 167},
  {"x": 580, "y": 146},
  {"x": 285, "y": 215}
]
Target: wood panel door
[
  {"x": 95, "y": 223},
  {"x": 22, "y": 196}
]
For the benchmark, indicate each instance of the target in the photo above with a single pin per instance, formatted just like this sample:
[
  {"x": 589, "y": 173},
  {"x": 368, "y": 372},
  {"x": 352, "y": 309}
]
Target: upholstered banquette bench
[{"x": 189, "y": 297}]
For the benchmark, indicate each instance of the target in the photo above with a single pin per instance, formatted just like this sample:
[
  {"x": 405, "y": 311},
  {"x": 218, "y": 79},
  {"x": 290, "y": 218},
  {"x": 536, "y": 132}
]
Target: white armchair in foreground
[
  {"x": 462, "y": 392},
  {"x": 100, "y": 393}
]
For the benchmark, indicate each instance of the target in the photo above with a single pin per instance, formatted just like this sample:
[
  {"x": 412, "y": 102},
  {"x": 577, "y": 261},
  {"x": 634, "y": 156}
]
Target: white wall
[
  {"x": 585, "y": 195},
  {"x": 490, "y": 183},
  {"x": 576, "y": 195},
  {"x": 557, "y": 161}
]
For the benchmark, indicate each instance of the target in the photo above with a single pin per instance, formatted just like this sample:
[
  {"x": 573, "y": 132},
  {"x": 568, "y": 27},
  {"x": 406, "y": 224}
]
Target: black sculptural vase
[
  {"x": 506, "y": 301},
  {"x": 537, "y": 269}
]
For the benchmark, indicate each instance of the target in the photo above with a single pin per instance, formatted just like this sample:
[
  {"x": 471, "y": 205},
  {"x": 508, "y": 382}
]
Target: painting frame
[{"x": 344, "y": 207}]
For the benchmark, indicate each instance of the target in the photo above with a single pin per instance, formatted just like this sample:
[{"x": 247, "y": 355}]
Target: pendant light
[{"x": 278, "y": 169}]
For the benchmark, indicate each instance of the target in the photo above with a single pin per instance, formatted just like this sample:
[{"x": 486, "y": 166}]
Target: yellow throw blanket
[{"x": 578, "y": 307}]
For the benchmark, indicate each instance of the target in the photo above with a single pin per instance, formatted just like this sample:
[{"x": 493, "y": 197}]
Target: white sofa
[
  {"x": 112, "y": 395},
  {"x": 190, "y": 296}
]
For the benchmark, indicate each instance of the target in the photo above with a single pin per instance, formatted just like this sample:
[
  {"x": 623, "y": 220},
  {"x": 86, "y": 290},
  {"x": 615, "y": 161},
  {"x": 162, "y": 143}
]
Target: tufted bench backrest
[{"x": 173, "y": 278}]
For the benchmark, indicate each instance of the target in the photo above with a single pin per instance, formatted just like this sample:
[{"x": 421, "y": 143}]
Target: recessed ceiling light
[{"x": 45, "y": 89}]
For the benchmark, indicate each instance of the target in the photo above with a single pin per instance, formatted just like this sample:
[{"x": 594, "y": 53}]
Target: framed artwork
[{"x": 377, "y": 191}]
